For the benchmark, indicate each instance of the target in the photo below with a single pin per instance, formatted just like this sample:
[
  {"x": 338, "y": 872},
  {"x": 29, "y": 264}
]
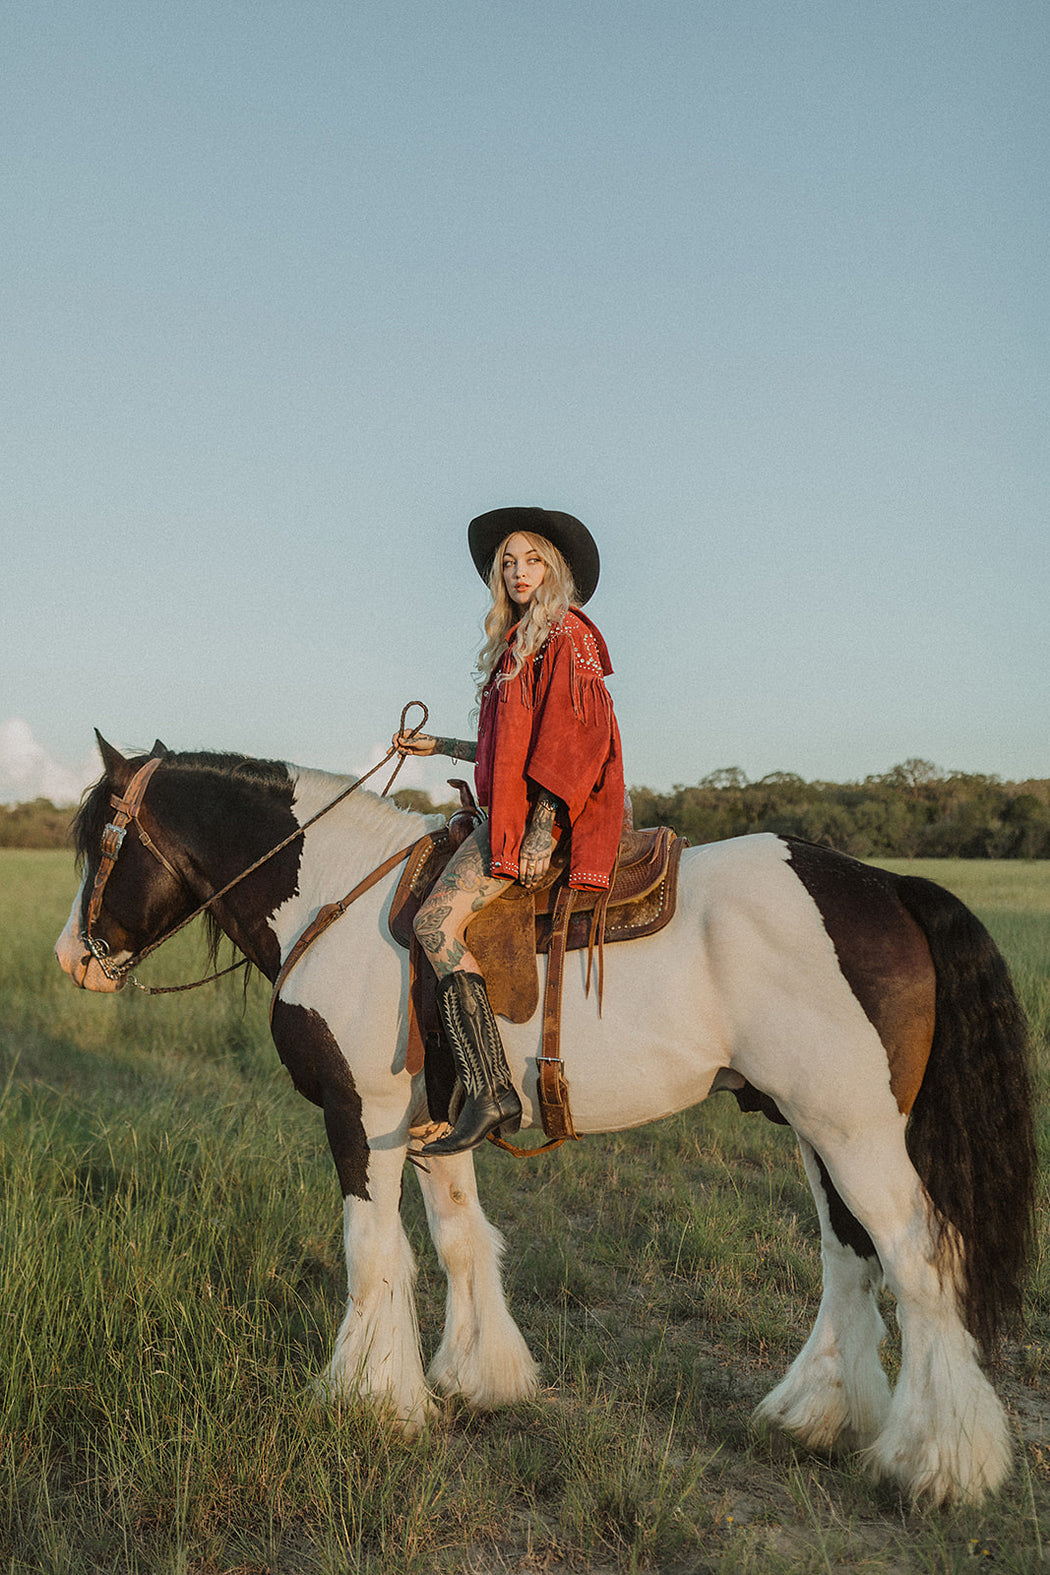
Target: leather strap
[
  {"x": 553, "y": 1090},
  {"x": 332, "y": 911},
  {"x": 126, "y": 808},
  {"x": 148, "y": 843}
]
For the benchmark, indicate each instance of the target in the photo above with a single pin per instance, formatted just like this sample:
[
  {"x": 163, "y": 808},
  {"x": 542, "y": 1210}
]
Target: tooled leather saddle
[{"x": 508, "y": 936}]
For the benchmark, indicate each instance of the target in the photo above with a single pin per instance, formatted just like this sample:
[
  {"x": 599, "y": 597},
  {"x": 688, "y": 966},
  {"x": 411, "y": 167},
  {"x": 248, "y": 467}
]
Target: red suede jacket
[{"x": 553, "y": 727}]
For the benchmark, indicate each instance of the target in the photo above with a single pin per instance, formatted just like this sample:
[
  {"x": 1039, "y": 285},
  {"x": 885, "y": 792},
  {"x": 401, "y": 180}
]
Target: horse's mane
[{"x": 272, "y": 776}]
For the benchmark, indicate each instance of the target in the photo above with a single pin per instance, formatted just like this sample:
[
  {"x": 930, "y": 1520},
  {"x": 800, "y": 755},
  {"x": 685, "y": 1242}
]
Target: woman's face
[{"x": 523, "y": 569}]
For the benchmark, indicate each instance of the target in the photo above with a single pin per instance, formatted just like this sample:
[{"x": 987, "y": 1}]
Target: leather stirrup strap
[
  {"x": 553, "y": 1090},
  {"x": 554, "y": 1094}
]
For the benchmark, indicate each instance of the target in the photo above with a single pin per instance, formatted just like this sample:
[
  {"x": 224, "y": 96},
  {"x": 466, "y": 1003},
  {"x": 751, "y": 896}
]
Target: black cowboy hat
[{"x": 572, "y": 539}]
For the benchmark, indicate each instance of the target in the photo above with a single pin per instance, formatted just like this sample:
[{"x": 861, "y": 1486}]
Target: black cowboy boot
[{"x": 491, "y": 1102}]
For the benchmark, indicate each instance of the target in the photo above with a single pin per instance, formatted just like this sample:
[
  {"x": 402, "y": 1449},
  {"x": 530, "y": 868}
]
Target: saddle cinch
[{"x": 509, "y": 935}]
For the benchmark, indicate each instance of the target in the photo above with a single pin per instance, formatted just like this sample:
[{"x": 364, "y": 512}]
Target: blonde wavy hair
[{"x": 548, "y": 607}]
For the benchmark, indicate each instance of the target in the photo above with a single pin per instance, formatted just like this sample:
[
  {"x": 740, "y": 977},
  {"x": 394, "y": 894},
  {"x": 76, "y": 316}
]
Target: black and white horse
[{"x": 871, "y": 1012}]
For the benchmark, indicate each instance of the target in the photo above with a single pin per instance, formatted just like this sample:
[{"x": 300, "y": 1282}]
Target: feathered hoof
[
  {"x": 937, "y": 1474},
  {"x": 827, "y": 1418},
  {"x": 487, "y": 1386},
  {"x": 407, "y": 1415}
]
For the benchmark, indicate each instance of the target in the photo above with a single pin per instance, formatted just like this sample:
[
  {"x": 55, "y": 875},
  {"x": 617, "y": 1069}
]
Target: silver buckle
[{"x": 112, "y": 837}]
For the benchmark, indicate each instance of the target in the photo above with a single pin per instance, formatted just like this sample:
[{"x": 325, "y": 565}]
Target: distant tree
[
  {"x": 422, "y": 804},
  {"x": 882, "y": 827},
  {"x": 914, "y": 776},
  {"x": 913, "y": 809},
  {"x": 1026, "y": 822},
  {"x": 725, "y": 777},
  {"x": 38, "y": 824}
]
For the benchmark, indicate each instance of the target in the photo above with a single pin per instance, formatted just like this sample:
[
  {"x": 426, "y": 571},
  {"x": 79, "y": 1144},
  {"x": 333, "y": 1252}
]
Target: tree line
[
  {"x": 911, "y": 811},
  {"x": 38, "y": 824}
]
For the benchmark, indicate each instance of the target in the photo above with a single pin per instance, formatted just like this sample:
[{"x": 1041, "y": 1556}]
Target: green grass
[{"x": 171, "y": 1278}]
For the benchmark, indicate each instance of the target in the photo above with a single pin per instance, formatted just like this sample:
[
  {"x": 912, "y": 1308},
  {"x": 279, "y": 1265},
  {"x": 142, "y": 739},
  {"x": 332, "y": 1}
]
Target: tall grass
[{"x": 171, "y": 1276}]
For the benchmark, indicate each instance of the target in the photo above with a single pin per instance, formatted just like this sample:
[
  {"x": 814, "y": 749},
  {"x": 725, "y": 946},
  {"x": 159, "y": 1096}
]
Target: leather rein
[{"x": 126, "y": 809}]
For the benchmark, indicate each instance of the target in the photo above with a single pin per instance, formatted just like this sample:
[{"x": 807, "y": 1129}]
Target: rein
[{"x": 127, "y": 809}]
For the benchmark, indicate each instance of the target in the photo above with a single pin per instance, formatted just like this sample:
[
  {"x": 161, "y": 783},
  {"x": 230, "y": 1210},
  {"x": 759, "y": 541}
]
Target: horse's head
[
  {"x": 163, "y": 836},
  {"x": 132, "y": 890}
]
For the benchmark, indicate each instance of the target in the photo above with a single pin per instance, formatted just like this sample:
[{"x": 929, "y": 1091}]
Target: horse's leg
[
  {"x": 377, "y": 1353},
  {"x": 946, "y": 1434},
  {"x": 482, "y": 1355},
  {"x": 835, "y": 1391}
]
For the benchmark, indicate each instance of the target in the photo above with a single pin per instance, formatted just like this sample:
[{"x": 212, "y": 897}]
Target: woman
[{"x": 547, "y": 768}]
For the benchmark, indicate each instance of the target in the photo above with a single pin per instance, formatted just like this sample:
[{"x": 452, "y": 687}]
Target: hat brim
[{"x": 571, "y": 537}]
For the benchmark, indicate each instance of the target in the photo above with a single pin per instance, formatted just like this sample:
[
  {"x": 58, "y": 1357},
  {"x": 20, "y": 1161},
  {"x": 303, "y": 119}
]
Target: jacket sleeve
[{"x": 500, "y": 776}]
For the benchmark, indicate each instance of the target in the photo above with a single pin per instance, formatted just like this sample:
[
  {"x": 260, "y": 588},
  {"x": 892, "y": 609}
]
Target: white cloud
[{"x": 27, "y": 771}]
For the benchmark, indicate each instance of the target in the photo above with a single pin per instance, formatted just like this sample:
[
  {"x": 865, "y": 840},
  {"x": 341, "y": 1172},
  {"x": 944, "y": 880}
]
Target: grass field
[{"x": 171, "y": 1277}]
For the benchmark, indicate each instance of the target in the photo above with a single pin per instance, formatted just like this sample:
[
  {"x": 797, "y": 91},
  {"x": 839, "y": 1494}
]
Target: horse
[{"x": 870, "y": 1011}]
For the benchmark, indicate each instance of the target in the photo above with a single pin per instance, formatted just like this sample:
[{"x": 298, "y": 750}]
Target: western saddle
[{"x": 509, "y": 935}]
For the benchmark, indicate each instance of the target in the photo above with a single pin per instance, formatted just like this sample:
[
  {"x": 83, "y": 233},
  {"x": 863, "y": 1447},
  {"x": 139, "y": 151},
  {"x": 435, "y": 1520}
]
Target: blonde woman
[{"x": 548, "y": 770}]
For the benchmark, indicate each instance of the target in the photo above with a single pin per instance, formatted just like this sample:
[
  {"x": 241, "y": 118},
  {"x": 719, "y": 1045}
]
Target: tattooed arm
[
  {"x": 428, "y": 744},
  {"x": 457, "y": 749},
  {"x": 537, "y": 845}
]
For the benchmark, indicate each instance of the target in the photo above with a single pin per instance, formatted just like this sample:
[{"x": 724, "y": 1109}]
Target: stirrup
[{"x": 502, "y": 1117}]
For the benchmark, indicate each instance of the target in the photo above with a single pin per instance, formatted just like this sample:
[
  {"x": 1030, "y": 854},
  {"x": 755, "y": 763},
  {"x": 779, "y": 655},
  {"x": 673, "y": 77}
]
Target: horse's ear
[
  {"x": 159, "y": 749},
  {"x": 117, "y": 768}
]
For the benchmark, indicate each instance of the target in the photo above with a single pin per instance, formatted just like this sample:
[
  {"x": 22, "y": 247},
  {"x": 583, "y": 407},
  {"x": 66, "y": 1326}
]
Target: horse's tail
[{"x": 970, "y": 1134}]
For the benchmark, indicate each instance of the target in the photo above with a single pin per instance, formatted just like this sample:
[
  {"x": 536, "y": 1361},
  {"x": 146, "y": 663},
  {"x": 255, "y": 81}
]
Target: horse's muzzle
[{"x": 75, "y": 960}]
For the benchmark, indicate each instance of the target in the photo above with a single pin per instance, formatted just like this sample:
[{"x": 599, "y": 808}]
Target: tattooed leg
[{"x": 464, "y": 888}]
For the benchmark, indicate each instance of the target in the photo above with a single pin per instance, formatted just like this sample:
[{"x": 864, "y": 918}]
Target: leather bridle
[{"x": 126, "y": 808}]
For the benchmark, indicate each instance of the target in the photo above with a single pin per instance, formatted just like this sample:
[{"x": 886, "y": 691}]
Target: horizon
[{"x": 28, "y": 773}]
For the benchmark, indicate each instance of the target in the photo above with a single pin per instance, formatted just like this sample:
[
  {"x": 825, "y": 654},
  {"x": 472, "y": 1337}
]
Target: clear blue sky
[{"x": 758, "y": 290}]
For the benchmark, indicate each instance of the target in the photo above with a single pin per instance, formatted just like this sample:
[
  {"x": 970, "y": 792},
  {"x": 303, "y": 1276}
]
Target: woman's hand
[
  {"x": 425, "y": 744},
  {"x": 415, "y": 744},
  {"x": 537, "y": 844}
]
